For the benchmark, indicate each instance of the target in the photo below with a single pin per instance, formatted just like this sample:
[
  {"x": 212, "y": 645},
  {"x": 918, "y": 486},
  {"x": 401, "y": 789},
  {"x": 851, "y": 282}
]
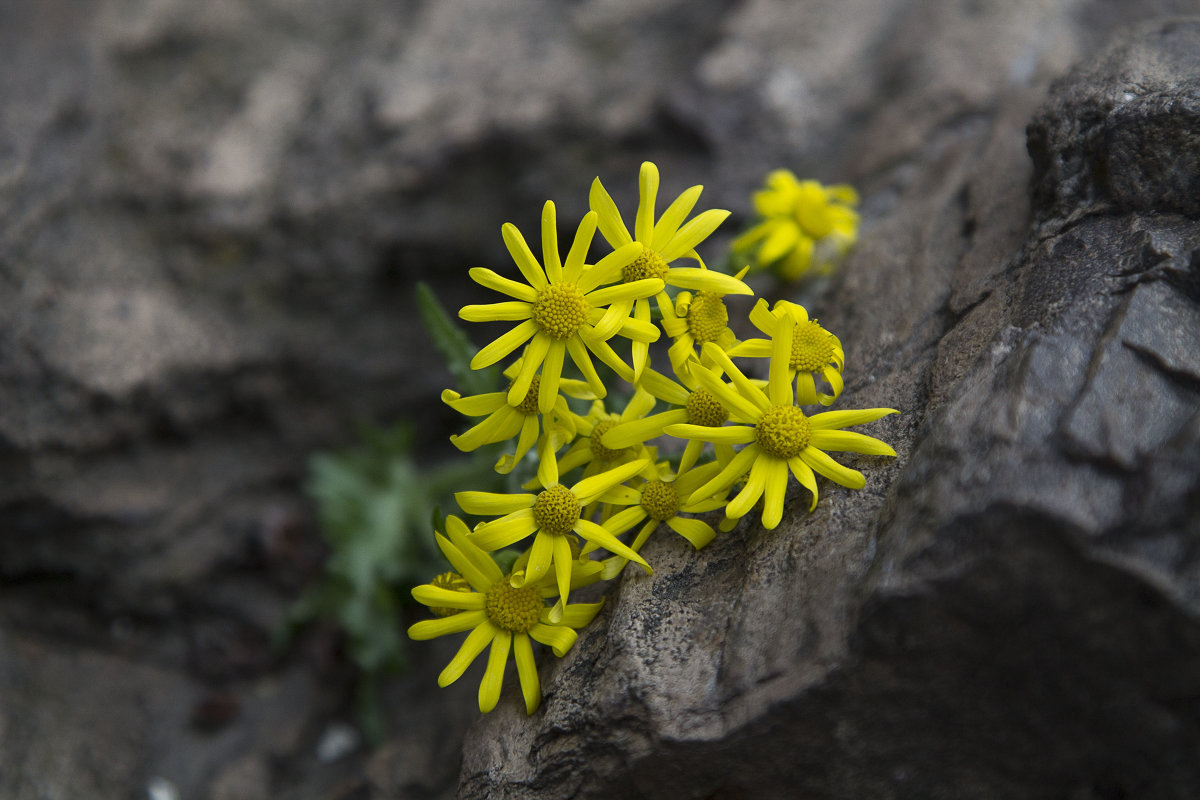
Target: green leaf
[{"x": 452, "y": 342}]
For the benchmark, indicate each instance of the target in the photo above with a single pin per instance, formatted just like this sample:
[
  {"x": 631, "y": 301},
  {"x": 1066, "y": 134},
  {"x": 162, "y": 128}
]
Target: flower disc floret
[
  {"x": 599, "y": 451},
  {"x": 529, "y": 406},
  {"x": 560, "y": 309},
  {"x": 703, "y": 408},
  {"x": 783, "y": 431},
  {"x": 556, "y": 510},
  {"x": 660, "y": 500},
  {"x": 648, "y": 265},
  {"x": 515, "y": 610},
  {"x": 707, "y": 317},
  {"x": 812, "y": 347}
]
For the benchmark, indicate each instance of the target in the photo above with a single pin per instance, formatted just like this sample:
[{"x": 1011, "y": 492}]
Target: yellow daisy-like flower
[
  {"x": 497, "y": 614},
  {"x": 551, "y": 516},
  {"x": 695, "y": 320},
  {"x": 502, "y": 421},
  {"x": 660, "y": 500},
  {"x": 591, "y": 452},
  {"x": 662, "y": 241},
  {"x": 814, "y": 350},
  {"x": 561, "y": 310},
  {"x": 693, "y": 404},
  {"x": 778, "y": 437},
  {"x": 805, "y": 226}
]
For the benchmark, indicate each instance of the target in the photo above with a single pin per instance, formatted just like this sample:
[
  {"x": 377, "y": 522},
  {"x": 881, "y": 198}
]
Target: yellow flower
[
  {"x": 814, "y": 350},
  {"x": 693, "y": 404},
  {"x": 502, "y": 421},
  {"x": 499, "y": 615},
  {"x": 659, "y": 500},
  {"x": 551, "y": 516},
  {"x": 777, "y": 437},
  {"x": 561, "y": 310},
  {"x": 591, "y": 452},
  {"x": 662, "y": 241},
  {"x": 695, "y": 320},
  {"x": 805, "y": 226}
]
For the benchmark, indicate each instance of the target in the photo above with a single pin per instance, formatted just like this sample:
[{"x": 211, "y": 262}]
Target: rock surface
[{"x": 211, "y": 216}]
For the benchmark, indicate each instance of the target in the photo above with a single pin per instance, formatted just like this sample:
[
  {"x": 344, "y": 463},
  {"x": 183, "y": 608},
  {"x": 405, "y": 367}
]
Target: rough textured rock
[
  {"x": 210, "y": 218},
  {"x": 1010, "y": 609}
]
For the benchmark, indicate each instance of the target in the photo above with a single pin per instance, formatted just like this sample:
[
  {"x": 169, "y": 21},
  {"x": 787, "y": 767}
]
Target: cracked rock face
[{"x": 1011, "y": 608}]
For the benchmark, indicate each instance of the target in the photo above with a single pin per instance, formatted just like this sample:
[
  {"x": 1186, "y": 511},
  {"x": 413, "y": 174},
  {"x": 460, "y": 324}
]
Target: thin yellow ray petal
[
  {"x": 668, "y": 224},
  {"x": 504, "y": 531},
  {"x": 779, "y": 379},
  {"x": 564, "y": 560},
  {"x": 436, "y": 596},
  {"x": 535, "y": 354},
  {"x": 727, "y": 395},
  {"x": 646, "y": 287},
  {"x": 612, "y": 227},
  {"x": 541, "y": 555},
  {"x": 559, "y": 638},
  {"x": 573, "y": 269},
  {"x": 501, "y": 347},
  {"x": 774, "y": 492},
  {"x": 824, "y": 465},
  {"x": 493, "y": 676},
  {"x": 664, "y": 388},
  {"x": 693, "y": 233},
  {"x": 625, "y": 519},
  {"x": 551, "y": 373},
  {"x": 492, "y": 504},
  {"x": 805, "y": 475},
  {"x": 627, "y": 434},
  {"x": 592, "y": 487},
  {"x": 531, "y": 687},
  {"x": 523, "y": 256},
  {"x": 728, "y": 434},
  {"x": 432, "y": 628},
  {"x": 831, "y": 420},
  {"x": 470, "y": 649},
  {"x": 696, "y": 531},
  {"x": 744, "y": 385},
  {"x": 581, "y": 359},
  {"x": 706, "y": 280},
  {"x": 592, "y": 532},
  {"x": 507, "y": 311},
  {"x": 476, "y": 405},
  {"x": 751, "y": 348},
  {"x": 550, "y": 259},
  {"x": 806, "y": 389},
  {"x": 736, "y": 468},
  {"x": 756, "y": 482},
  {"x": 608, "y": 269},
  {"x": 460, "y": 536},
  {"x": 548, "y": 466},
  {"x": 464, "y": 564},
  {"x": 496, "y": 282},
  {"x": 850, "y": 442},
  {"x": 580, "y": 615},
  {"x": 643, "y": 226}
]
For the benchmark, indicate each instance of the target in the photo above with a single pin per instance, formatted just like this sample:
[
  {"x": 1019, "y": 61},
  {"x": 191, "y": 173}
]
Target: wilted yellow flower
[
  {"x": 497, "y": 614},
  {"x": 805, "y": 226}
]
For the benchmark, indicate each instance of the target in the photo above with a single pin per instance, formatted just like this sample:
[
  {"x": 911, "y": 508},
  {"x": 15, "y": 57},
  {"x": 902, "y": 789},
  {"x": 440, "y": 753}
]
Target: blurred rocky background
[{"x": 212, "y": 217}]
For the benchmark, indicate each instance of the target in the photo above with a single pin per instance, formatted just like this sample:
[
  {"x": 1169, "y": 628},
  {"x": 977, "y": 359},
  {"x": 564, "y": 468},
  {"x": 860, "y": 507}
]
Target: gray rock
[{"x": 1008, "y": 609}]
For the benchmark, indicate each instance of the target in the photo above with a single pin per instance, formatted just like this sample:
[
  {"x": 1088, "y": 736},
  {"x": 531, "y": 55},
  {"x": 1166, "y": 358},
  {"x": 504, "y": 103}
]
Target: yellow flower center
[
  {"x": 707, "y": 317},
  {"x": 556, "y": 510},
  {"x": 648, "y": 265},
  {"x": 782, "y": 431},
  {"x": 704, "y": 409},
  {"x": 455, "y": 583},
  {"x": 599, "y": 451},
  {"x": 529, "y": 406},
  {"x": 660, "y": 500},
  {"x": 559, "y": 310},
  {"x": 812, "y": 347},
  {"x": 515, "y": 610}
]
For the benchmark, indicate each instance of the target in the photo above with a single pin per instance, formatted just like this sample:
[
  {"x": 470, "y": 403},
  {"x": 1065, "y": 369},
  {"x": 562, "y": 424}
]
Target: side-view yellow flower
[
  {"x": 696, "y": 320},
  {"x": 662, "y": 242},
  {"x": 805, "y": 226},
  {"x": 661, "y": 500},
  {"x": 560, "y": 309},
  {"x": 551, "y": 516},
  {"x": 814, "y": 350},
  {"x": 777, "y": 437},
  {"x": 693, "y": 404},
  {"x": 496, "y": 614}
]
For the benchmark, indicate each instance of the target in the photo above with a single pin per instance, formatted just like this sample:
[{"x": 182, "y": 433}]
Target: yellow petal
[
  {"x": 493, "y": 676},
  {"x": 432, "y": 628},
  {"x": 471, "y": 647},
  {"x": 531, "y": 687}
]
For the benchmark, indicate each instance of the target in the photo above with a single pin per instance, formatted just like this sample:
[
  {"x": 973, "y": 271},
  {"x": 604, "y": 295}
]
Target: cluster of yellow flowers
[{"x": 568, "y": 307}]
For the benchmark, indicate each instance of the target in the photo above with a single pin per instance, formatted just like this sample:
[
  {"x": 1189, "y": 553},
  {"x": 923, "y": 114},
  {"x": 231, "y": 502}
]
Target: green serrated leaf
[{"x": 452, "y": 342}]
